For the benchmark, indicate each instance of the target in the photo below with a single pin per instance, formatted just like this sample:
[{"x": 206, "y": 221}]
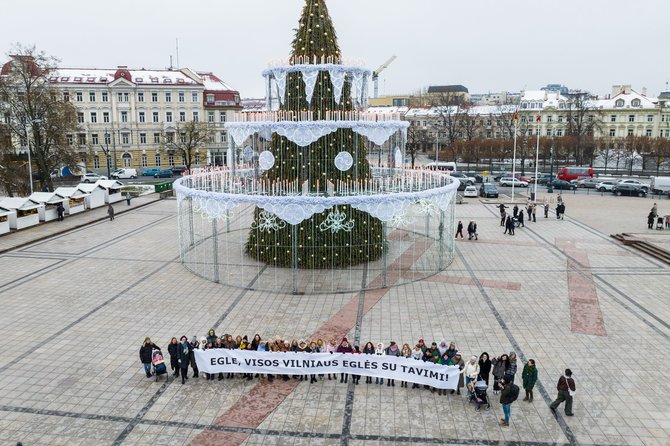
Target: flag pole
[
  {"x": 514, "y": 156},
  {"x": 537, "y": 152}
]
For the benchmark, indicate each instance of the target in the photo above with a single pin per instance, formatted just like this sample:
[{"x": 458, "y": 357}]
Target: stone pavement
[{"x": 77, "y": 305}]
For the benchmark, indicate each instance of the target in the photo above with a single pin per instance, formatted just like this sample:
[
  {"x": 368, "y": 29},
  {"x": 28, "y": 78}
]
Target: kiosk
[
  {"x": 112, "y": 190},
  {"x": 95, "y": 197},
  {"x": 24, "y": 213},
  {"x": 74, "y": 199},
  {"x": 49, "y": 202}
]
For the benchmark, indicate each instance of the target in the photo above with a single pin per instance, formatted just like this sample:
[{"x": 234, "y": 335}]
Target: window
[
  {"x": 154, "y": 97},
  {"x": 650, "y": 118},
  {"x": 613, "y": 118},
  {"x": 94, "y": 139},
  {"x": 80, "y": 117},
  {"x": 140, "y": 96},
  {"x": 124, "y": 116},
  {"x": 635, "y": 103},
  {"x": 96, "y": 162},
  {"x": 91, "y": 96},
  {"x": 631, "y": 118},
  {"x": 68, "y": 138},
  {"x": 195, "y": 116},
  {"x": 157, "y": 138},
  {"x": 168, "y": 116},
  {"x": 94, "y": 117},
  {"x": 143, "y": 138},
  {"x": 648, "y": 133},
  {"x": 194, "y": 97},
  {"x": 224, "y": 137},
  {"x": 142, "y": 117},
  {"x": 158, "y": 160},
  {"x": 210, "y": 98},
  {"x": 79, "y": 96},
  {"x": 143, "y": 161},
  {"x": 168, "y": 96},
  {"x": 222, "y": 116},
  {"x": 107, "y": 138},
  {"x": 81, "y": 139},
  {"x": 66, "y": 96},
  {"x": 105, "y": 116},
  {"x": 125, "y": 138},
  {"x": 548, "y": 132},
  {"x": 181, "y": 96},
  {"x": 630, "y": 132},
  {"x": 154, "y": 117},
  {"x": 105, "y": 96},
  {"x": 123, "y": 97},
  {"x": 182, "y": 116},
  {"x": 197, "y": 158},
  {"x": 612, "y": 133},
  {"x": 210, "y": 138},
  {"x": 171, "y": 160},
  {"x": 127, "y": 159},
  {"x": 559, "y": 132},
  {"x": 560, "y": 119},
  {"x": 210, "y": 116},
  {"x": 590, "y": 118},
  {"x": 182, "y": 137},
  {"x": 549, "y": 118},
  {"x": 169, "y": 137},
  {"x": 618, "y": 103}
]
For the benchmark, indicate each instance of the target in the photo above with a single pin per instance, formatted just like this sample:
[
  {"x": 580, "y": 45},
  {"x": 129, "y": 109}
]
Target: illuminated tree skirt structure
[{"x": 216, "y": 209}]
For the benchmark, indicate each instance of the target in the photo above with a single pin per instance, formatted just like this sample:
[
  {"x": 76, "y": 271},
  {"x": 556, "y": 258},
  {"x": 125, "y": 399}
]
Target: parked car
[
  {"x": 605, "y": 186},
  {"x": 561, "y": 184},
  {"x": 463, "y": 178},
  {"x": 92, "y": 177},
  {"x": 629, "y": 189},
  {"x": 635, "y": 183},
  {"x": 545, "y": 178},
  {"x": 124, "y": 173},
  {"x": 151, "y": 172},
  {"x": 470, "y": 192},
  {"x": 178, "y": 170},
  {"x": 587, "y": 183},
  {"x": 479, "y": 178},
  {"x": 508, "y": 181},
  {"x": 164, "y": 173},
  {"x": 488, "y": 190}
]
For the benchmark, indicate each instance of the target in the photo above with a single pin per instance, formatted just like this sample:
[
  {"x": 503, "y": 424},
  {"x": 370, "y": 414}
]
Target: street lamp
[{"x": 30, "y": 161}]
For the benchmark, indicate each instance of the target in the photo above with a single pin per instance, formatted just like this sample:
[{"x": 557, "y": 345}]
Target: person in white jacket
[
  {"x": 380, "y": 351},
  {"x": 471, "y": 372}
]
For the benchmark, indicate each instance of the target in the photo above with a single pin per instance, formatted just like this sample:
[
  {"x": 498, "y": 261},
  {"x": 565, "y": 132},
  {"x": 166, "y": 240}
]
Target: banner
[{"x": 221, "y": 360}]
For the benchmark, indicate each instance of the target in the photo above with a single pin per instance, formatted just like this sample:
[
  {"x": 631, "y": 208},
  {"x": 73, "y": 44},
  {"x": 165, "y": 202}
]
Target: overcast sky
[{"x": 486, "y": 45}]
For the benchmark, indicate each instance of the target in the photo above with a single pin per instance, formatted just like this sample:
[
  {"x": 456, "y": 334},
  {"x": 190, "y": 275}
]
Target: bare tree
[
  {"x": 36, "y": 113},
  {"x": 417, "y": 138},
  {"x": 582, "y": 121},
  {"x": 188, "y": 138},
  {"x": 451, "y": 112}
]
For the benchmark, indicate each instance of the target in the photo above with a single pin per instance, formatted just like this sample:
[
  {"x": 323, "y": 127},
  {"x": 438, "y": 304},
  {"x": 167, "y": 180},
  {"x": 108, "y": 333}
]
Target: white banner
[{"x": 221, "y": 360}]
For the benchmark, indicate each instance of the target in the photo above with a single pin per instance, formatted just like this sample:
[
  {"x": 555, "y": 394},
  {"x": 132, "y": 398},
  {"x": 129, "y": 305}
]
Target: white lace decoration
[
  {"x": 344, "y": 161},
  {"x": 309, "y": 79},
  {"x": 399, "y": 159},
  {"x": 357, "y": 87},
  {"x": 335, "y": 222},
  {"x": 280, "y": 79},
  {"x": 267, "y": 222},
  {"x": 401, "y": 219},
  {"x": 337, "y": 80},
  {"x": 427, "y": 207},
  {"x": 266, "y": 160}
]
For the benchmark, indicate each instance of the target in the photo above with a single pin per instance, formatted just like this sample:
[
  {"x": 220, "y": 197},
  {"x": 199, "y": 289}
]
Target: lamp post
[{"x": 30, "y": 160}]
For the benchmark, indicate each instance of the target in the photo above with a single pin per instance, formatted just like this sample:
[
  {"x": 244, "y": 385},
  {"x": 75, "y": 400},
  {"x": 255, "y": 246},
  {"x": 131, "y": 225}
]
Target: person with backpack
[
  {"x": 566, "y": 389},
  {"x": 509, "y": 394}
]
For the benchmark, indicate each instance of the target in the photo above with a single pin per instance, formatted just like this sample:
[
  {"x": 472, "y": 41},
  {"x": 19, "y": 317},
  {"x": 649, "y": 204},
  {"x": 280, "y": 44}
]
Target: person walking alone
[
  {"x": 566, "y": 389},
  {"x": 110, "y": 212},
  {"x": 128, "y": 197},
  {"x": 459, "y": 229},
  {"x": 61, "y": 211}
]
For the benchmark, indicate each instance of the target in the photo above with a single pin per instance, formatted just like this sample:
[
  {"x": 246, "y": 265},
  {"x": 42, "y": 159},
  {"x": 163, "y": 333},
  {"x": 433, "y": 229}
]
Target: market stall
[{"x": 74, "y": 199}]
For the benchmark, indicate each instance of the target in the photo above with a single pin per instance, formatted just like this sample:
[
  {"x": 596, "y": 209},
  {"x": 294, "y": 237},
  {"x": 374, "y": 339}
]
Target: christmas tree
[{"x": 315, "y": 42}]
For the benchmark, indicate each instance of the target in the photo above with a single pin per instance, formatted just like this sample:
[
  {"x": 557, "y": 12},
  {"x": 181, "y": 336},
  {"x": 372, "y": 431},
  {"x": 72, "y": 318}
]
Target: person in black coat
[
  {"x": 146, "y": 354},
  {"x": 521, "y": 219},
  {"x": 185, "y": 353},
  {"x": 173, "y": 350},
  {"x": 472, "y": 230},
  {"x": 194, "y": 346},
  {"x": 485, "y": 366}
]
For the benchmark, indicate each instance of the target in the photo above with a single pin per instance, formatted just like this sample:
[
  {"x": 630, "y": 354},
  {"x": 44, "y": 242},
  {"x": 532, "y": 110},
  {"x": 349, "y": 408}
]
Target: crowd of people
[{"x": 476, "y": 372}]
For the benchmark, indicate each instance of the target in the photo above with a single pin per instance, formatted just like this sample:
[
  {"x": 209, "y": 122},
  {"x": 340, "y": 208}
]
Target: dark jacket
[
  {"x": 506, "y": 394},
  {"x": 472, "y": 228},
  {"x": 485, "y": 369},
  {"x": 184, "y": 355},
  {"x": 211, "y": 337},
  {"x": 565, "y": 384},
  {"x": 390, "y": 352},
  {"x": 145, "y": 352},
  {"x": 499, "y": 367},
  {"x": 173, "y": 350},
  {"x": 529, "y": 376}
]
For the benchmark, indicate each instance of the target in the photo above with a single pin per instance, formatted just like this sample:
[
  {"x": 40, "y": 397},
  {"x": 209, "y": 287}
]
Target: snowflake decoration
[
  {"x": 427, "y": 207},
  {"x": 268, "y": 222},
  {"x": 335, "y": 222},
  {"x": 401, "y": 219}
]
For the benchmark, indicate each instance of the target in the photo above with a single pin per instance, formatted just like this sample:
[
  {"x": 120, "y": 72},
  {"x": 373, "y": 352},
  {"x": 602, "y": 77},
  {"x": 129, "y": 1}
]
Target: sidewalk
[{"x": 16, "y": 239}]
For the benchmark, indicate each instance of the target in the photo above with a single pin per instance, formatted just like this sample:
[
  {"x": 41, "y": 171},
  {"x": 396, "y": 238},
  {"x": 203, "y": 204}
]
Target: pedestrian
[
  {"x": 560, "y": 210},
  {"x": 110, "y": 212},
  {"x": 344, "y": 347},
  {"x": 500, "y": 367},
  {"x": 566, "y": 389},
  {"x": 459, "y": 229},
  {"x": 654, "y": 209},
  {"x": 511, "y": 373},
  {"x": 472, "y": 230},
  {"x": 61, "y": 211},
  {"x": 546, "y": 210},
  {"x": 485, "y": 366},
  {"x": 173, "y": 350},
  {"x": 559, "y": 198},
  {"x": 194, "y": 346},
  {"x": 509, "y": 226},
  {"x": 509, "y": 394},
  {"x": 146, "y": 353},
  {"x": 128, "y": 197},
  {"x": 392, "y": 350},
  {"x": 503, "y": 214},
  {"x": 529, "y": 209},
  {"x": 185, "y": 353},
  {"x": 521, "y": 220},
  {"x": 534, "y": 206},
  {"x": 529, "y": 378},
  {"x": 515, "y": 211},
  {"x": 650, "y": 220}
]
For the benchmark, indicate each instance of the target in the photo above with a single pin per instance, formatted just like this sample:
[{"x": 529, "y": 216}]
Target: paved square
[{"x": 77, "y": 305}]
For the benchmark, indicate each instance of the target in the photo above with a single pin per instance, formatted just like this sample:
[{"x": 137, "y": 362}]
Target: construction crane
[{"x": 375, "y": 74}]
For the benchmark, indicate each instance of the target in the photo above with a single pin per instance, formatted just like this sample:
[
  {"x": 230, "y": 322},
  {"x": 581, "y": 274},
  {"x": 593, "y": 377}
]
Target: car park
[
  {"x": 470, "y": 192},
  {"x": 92, "y": 177},
  {"x": 605, "y": 186},
  {"x": 634, "y": 183},
  {"x": 561, "y": 184},
  {"x": 488, "y": 190},
  {"x": 509, "y": 181},
  {"x": 124, "y": 173},
  {"x": 545, "y": 179},
  {"x": 587, "y": 183},
  {"x": 164, "y": 173},
  {"x": 629, "y": 189}
]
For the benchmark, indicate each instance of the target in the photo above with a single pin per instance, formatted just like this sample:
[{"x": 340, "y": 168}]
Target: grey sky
[{"x": 486, "y": 45}]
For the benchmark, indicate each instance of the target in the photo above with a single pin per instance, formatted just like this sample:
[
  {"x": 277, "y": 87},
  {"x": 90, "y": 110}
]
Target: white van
[
  {"x": 442, "y": 165},
  {"x": 125, "y": 172},
  {"x": 660, "y": 184}
]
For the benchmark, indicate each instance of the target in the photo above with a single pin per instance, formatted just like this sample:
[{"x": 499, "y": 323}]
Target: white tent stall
[
  {"x": 24, "y": 213},
  {"x": 95, "y": 194},
  {"x": 112, "y": 190},
  {"x": 4, "y": 221},
  {"x": 74, "y": 199},
  {"x": 49, "y": 202}
]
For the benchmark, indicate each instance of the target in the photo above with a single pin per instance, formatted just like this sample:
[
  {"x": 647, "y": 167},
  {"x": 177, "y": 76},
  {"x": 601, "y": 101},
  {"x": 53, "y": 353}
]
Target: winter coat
[
  {"x": 485, "y": 369},
  {"x": 499, "y": 367},
  {"x": 369, "y": 351},
  {"x": 173, "y": 350},
  {"x": 145, "y": 352},
  {"x": 211, "y": 337},
  {"x": 529, "y": 376},
  {"x": 417, "y": 354},
  {"x": 506, "y": 394},
  {"x": 390, "y": 352},
  {"x": 185, "y": 353},
  {"x": 471, "y": 370},
  {"x": 342, "y": 349},
  {"x": 460, "y": 365}
]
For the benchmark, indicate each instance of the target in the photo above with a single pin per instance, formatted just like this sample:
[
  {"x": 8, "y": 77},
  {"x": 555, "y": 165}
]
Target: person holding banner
[
  {"x": 458, "y": 361},
  {"x": 417, "y": 354},
  {"x": 368, "y": 349},
  {"x": 344, "y": 347},
  {"x": 185, "y": 353},
  {"x": 392, "y": 350},
  {"x": 405, "y": 352},
  {"x": 379, "y": 351},
  {"x": 332, "y": 348}
]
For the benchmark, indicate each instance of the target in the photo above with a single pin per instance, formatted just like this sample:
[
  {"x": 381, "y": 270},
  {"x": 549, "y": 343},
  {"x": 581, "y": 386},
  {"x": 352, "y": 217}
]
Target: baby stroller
[
  {"x": 158, "y": 364},
  {"x": 480, "y": 397}
]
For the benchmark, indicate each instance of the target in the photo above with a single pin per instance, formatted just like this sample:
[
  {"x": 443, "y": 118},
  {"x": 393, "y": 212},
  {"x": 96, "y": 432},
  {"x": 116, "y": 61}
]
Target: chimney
[
  {"x": 626, "y": 89},
  {"x": 644, "y": 91},
  {"x": 616, "y": 89}
]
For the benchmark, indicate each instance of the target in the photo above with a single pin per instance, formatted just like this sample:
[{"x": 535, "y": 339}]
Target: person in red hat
[{"x": 344, "y": 347}]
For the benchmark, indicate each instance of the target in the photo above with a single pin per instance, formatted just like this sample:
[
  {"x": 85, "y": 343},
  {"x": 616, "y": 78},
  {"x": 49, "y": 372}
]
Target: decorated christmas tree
[{"x": 340, "y": 236}]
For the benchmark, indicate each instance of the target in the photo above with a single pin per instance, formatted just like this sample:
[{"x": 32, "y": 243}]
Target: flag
[
  {"x": 538, "y": 118},
  {"x": 515, "y": 118}
]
